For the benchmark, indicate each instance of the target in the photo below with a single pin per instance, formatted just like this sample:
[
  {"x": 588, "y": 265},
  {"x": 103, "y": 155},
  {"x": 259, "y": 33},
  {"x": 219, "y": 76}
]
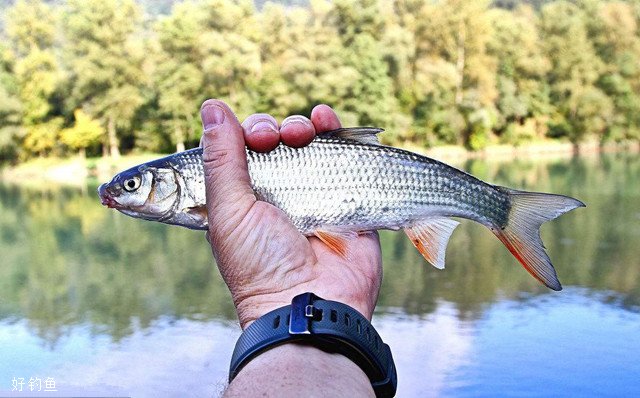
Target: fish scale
[
  {"x": 345, "y": 182},
  {"x": 360, "y": 180}
]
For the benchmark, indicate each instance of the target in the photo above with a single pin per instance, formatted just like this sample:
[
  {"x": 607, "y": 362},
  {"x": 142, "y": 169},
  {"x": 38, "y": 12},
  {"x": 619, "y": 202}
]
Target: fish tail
[{"x": 521, "y": 234}]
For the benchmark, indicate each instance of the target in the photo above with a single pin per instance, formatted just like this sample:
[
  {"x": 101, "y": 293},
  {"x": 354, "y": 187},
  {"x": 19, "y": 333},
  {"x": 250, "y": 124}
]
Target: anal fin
[
  {"x": 337, "y": 240},
  {"x": 430, "y": 237}
]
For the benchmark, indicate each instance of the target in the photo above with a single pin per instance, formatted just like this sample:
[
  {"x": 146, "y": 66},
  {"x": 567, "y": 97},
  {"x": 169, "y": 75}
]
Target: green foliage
[
  {"x": 431, "y": 72},
  {"x": 179, "y": 75},
  {"x": 229, "y": 52},
  {"x": 40, "y": 139},
  {"x": 521, "y": 71},
  {"x": 36, "y": 75},
  {"x": 84, "y": 133},
  {"x": 370, "y": 96},
  {"x": 106, "y": 59},
  {"x": 582, "y": 109},
  {"x": 30, "y": 24},
  {"x": 10, "y": 108}
]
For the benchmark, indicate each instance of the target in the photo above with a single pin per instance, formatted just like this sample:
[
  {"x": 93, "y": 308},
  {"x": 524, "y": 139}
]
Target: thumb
[{"x": 227, "y": 182}]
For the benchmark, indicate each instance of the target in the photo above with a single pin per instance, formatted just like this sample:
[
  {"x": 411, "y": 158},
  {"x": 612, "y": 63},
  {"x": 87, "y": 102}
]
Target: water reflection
[
  {"x": 593, "y": 247},
  {"x": 545, "y": 346},
  {"x": 75, "y": 274},
  {"x": 67, "y": 260}
]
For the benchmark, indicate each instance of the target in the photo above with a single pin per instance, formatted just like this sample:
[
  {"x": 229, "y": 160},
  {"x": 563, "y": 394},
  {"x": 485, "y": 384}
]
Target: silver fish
[{"x": 345, "y": 182}]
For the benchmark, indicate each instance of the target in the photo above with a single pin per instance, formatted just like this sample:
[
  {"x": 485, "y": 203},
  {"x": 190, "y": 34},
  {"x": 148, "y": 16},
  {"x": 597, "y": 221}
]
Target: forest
[{"x": 104, "y": 77}]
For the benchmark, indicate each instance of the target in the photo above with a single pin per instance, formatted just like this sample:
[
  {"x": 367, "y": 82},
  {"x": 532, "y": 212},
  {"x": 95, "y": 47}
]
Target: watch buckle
[{"x": 303, "y": 313}]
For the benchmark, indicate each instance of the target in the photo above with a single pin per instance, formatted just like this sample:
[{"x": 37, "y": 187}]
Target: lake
[{"x": 100, "y": 304}]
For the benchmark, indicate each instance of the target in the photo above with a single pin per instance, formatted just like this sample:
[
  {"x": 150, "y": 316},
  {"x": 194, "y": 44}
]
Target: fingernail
[
  {"x": 212, "y": 116},
  {"x": 262, "y": 125},
  {"x": 295, "y": 119}
]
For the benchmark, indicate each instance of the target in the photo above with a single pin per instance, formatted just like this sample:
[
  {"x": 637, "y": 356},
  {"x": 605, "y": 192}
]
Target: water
[{"x": 107, "y": 305}]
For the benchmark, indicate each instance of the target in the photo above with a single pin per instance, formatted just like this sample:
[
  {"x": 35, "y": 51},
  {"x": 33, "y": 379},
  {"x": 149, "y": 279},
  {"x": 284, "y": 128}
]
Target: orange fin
[
  {"x": 521, "y": 235},
  {"x": 336, "y": 240},
  {"x": 199, "y": 211},
  {"x": 532, "y": 257},
  {"x": 431, "y": 236},
  {"x": 198, "y": 215}
]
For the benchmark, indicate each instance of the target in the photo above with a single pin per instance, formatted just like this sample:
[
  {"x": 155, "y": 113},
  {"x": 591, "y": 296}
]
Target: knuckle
[{"x": 215, "y": 158}]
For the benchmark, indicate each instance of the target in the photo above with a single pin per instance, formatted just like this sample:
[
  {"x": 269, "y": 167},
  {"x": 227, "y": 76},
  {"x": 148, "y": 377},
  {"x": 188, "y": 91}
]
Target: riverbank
[
  {"x": 74, "y": 171},
  {"x": 77, "y": 171}
]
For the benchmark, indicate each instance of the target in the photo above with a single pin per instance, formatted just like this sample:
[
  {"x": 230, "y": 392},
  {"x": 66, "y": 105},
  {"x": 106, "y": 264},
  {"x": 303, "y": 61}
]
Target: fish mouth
[{"x": 106, "y": 199}]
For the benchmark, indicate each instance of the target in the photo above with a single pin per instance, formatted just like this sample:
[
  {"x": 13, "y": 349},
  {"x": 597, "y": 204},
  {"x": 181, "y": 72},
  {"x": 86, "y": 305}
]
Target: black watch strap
[{"x": 328, "y": 325}]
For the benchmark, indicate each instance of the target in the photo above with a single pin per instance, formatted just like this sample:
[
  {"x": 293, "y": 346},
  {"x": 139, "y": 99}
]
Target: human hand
[{"x": 263, "y": 258}]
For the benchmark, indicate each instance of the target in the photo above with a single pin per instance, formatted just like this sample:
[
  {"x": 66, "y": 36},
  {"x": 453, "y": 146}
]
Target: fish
[{"x": 344, "y": 183}]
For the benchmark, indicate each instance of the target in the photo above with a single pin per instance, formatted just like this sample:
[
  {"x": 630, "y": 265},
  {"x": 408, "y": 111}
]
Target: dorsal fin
[{"x": 365, "y": 135}]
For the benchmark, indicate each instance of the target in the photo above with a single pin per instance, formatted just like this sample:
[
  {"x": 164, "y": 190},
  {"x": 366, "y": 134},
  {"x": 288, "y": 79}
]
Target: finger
[
  {"x": 228, "y": 190},
  {"x": 324, "y": 118},
  {"x": 297, "y": 131},
  {"x": 261, "y": 132}
]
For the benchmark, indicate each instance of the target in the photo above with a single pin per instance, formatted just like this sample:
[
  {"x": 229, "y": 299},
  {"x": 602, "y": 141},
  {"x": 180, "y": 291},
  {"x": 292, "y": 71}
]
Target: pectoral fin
[
  {"x": 430, "y": 237},
  {"x": 337, "y": 240},
  {"x": 198, "y": 214}
]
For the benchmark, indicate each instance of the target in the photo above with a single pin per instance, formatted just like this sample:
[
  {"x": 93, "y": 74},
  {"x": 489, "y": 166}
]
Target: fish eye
[{"x": 131, "y": 184}]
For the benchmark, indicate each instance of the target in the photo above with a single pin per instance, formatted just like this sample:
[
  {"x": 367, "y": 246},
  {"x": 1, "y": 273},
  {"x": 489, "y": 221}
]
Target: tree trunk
[
  {"x": 190, "y": 130},
  {"x": 105, "y": 147},
  {"x": 179, "y": 139},
  {"x": 113, "y": 138},
  {"x": 462, "y": 35},
  {"x": 83, "y": 153}
]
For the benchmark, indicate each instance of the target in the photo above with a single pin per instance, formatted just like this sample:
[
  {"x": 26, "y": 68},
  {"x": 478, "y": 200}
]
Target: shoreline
[
  {"x": 76, "y": 171},
  {"x": 535, "y": 150}
]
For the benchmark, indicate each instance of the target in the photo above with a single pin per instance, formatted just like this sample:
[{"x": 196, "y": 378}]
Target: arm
[
  {"x": 294, "y": 370},
  {"x": 265, "y": 261}
]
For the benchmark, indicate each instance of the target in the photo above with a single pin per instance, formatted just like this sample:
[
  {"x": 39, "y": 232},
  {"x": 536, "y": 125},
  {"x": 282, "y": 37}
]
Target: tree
[
  {"x": 614, "y": 32},
  {"x": 179, "y": 76},
  {"x": 31, "y": 29},
  {"x": 370, "y": 95},
  {"x": 303, "y": 62},
  {"x": 431, "y": 72},
  {"x": 106, "y": 58},
  {"x": 284, "y": 45},
  {"x": 11, "y": 130},
  {"x": 521, "y": 73},
  {"x": 83, "y": 134},
  {"x": 230, "y": 55},
  {"x": 575, "y": 68},
  {"x": 452, "y": 79}
]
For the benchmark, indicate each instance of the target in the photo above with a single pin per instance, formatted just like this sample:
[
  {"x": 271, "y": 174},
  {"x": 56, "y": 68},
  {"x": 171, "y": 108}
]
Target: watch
[{"x": 328, "y": 325}]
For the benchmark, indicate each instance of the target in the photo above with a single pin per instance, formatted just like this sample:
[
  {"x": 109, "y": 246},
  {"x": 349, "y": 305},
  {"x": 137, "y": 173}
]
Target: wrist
[
  {"x": 273, "y": 373},
  {"x": 327, "y": 325}
]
